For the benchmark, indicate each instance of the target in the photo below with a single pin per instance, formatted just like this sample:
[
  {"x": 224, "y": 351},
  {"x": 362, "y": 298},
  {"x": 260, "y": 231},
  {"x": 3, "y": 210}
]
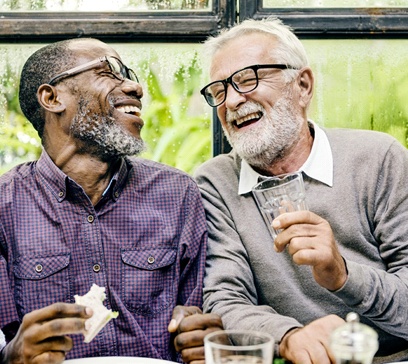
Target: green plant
[
  {"x": 18, "y": 139},
  {"x": 176, "y": 135}
]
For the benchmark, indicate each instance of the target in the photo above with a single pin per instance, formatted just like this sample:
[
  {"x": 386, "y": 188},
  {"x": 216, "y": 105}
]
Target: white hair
[{"x": 289, "y": 51}]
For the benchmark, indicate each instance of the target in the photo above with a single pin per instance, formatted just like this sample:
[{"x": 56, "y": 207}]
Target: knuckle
[{"x": 58, "y": 308}]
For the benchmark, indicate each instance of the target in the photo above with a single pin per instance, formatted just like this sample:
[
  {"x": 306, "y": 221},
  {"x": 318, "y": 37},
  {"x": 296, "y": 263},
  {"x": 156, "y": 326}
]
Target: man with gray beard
[
  {"x": 348, "y": 253},
  {"x": 88, "y": 212}
]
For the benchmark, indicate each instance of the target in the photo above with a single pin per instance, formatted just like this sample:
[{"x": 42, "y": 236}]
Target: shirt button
[
  {"x": 96, "y": 268},
  {"x": 61, "y": 193},
  {"x": 116, "y": 194},
  {"x": 150, "y": 260},
  {"x": 38, "y": 268},
  {"x": 90, "y": 219}
]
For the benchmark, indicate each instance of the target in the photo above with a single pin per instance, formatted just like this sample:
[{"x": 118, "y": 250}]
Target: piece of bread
[{"x": 101, "y": 315}]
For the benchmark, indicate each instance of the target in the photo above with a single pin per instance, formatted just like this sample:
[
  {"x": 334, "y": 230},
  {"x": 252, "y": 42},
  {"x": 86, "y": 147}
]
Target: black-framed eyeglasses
[
  {"x": 116, "y": 67},
  {"x": 243, "y": 81}
]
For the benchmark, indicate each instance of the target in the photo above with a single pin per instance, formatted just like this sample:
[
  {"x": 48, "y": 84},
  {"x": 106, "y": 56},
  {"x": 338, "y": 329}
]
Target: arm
[
  {"x": 42, "y": 336},
  {"x": 376, "y": 287},
  {"x": 192, "y": 326},
  {"x": 310, "y": 344},
  {"x": 188, "y": 322},
  {"x": 230, "y": 288}
]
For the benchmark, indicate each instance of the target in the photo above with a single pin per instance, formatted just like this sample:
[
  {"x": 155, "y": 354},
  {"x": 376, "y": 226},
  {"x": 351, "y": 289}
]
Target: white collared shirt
[
  {"x": 2, "y": 340},
  {"x": 319, "y": 164}
]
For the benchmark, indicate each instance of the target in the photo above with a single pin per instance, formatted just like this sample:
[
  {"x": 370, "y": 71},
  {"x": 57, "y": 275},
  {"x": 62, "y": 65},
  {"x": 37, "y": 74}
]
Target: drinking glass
[
  {"x": 279, "y": 194},
  {"x": 238, "y": 347}
]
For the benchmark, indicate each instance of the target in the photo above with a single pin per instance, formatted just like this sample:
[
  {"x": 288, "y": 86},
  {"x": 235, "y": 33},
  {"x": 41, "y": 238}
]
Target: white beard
[
  {"x": 103, "y": 136},
  {"x": 270, "y": 138}
]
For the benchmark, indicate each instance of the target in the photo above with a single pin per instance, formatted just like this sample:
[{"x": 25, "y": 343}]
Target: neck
[
  {"x": 293, "y": 158},
  {"x": 92, "y": 174}
]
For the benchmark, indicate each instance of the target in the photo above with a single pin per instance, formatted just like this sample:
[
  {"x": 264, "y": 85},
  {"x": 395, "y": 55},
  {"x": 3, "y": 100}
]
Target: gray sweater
[{"x": 253, "y": 287}]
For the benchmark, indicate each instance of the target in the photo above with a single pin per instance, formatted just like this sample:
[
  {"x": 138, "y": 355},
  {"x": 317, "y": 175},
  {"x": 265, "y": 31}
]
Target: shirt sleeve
[
  {"x": 8, "y": 312},
  {"x": 193, "y": 243}
]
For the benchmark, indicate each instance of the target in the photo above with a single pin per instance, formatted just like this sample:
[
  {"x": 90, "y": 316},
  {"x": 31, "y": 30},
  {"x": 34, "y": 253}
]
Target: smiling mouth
[
  {"x": 129, "y": 109},
  {"x": 248, "y": 119}
]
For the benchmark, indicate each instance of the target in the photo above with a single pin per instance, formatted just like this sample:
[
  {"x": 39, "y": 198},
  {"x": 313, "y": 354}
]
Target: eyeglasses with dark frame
[
  {"x": 116, "y": 67},
  {"x": 243, "y": 81}
]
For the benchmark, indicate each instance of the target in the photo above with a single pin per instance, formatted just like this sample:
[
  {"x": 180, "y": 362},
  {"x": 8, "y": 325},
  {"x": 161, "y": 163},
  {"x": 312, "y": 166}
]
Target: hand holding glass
[
  {"x": 279, "y": 194},
  {"x": 238, "y": 347}
]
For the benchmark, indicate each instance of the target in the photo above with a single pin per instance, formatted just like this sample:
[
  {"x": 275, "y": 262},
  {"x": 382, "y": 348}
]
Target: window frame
[
  {"x": 152, "y": 26},
  {"x": 324, "y": 23}
]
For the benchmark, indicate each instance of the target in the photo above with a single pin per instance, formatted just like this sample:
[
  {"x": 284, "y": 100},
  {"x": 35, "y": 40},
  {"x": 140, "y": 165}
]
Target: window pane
[
  {"x": 361, "y": 84},
  {"x": 334, "y": 3},
  {"x": 177, "y": 119},
  {"x": 104, "y": 5}
]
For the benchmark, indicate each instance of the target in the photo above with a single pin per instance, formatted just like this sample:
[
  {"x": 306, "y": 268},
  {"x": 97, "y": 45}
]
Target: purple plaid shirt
[{"x": 144, "y": 241}]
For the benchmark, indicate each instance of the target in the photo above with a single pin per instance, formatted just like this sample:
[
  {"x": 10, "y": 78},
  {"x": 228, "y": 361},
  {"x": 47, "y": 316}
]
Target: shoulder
[
  {"x": 220, "y": 173},
  {"x": 224, "y": 163},
  {"x": 360, "y": 135},
  {"x": 362, "y": 141},
  {"x": 19, "y": 172},
  {"x": 148, "y": 171}
]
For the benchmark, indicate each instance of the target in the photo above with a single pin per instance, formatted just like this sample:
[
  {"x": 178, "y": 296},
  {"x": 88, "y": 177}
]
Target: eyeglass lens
[
  {"x": 118, "y": 68},
  {"x": 243, "y": 81}
]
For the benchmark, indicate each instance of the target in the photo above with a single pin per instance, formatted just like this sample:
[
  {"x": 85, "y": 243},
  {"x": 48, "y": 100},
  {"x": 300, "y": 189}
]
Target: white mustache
[{"x": 248, "y": 108}]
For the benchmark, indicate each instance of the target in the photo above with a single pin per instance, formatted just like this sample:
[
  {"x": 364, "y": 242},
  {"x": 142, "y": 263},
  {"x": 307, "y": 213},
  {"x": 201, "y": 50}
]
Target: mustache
[{"x": 248, "y": 108}]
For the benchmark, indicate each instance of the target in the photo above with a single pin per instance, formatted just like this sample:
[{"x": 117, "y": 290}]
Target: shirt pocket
[
  {"x": 41, "y": 281},
  {"x": 148, "y": 279}
]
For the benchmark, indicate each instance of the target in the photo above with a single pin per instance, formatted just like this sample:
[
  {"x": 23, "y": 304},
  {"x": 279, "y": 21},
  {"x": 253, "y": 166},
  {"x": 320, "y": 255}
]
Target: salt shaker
[{"x": 354, "y": 342}]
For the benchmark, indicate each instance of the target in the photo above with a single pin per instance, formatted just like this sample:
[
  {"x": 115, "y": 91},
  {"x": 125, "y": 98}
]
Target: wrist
[{"x": 284, "y": 344}]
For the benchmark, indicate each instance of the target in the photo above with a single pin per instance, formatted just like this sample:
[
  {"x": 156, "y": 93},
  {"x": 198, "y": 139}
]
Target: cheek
[{"x": 221, "y": 110}]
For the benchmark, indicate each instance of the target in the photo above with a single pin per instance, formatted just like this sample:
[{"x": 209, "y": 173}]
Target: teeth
[
  {"x": 256, "y": 115},
  {"x": 129, "y": 109}
]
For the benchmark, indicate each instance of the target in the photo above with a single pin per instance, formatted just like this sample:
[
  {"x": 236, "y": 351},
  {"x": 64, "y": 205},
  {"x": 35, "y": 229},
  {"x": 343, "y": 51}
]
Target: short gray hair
[{"x": 290, "y": 50}]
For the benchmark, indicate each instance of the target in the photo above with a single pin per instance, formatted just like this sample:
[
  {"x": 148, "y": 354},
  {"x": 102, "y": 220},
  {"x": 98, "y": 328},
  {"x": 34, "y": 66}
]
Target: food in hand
[{"x": 101, "y": 315}]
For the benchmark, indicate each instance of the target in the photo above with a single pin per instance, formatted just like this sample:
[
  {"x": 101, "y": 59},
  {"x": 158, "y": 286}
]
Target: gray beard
[
  {"x": 103, "y": 137},
  {"x": 268, "y": 141}
]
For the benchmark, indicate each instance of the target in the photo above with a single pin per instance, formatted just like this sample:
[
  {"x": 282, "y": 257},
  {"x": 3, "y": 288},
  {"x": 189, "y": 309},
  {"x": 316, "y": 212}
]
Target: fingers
[
  {"x": 310, "y": 344},
  {"x": 42, "y": 336},
  {"x": 57, "y": 310},
  {"x": 297, "y": 224},
  {"x": 52, "y": 350},
  {"x": 55, "y": 320},
  {"x": 49, "y": 357},
  {"x": 287, "y": 219},
  {"x": 195, "y": 354},
  {"x": 179, "y": 313},
  {"x": 200, "y": 322},
  {"x": 192, "y": 339}
]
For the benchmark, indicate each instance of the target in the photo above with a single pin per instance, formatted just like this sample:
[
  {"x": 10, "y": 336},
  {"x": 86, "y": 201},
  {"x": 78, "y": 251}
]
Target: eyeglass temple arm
[{"x": 78, "y": 69}]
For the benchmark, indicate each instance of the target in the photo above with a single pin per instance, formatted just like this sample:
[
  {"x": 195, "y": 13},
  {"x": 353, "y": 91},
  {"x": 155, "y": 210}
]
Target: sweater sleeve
[
  {"x": 377, "y": 294},
  {"x": 230, "y": 288}
]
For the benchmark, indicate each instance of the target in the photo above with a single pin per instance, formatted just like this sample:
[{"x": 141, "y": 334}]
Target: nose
[
  {"x": 233, "y": 98},
  {"x": 132, "y": 88}
]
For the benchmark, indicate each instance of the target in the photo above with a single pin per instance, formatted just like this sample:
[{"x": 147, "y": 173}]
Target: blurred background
[{"x": 357, "y": 49}]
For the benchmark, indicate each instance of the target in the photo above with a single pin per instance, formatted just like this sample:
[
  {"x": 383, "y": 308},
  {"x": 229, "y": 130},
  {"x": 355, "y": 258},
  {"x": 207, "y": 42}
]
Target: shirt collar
[
  {"x": 318, "y": 166},
  {"x": 60, "y": 183}
]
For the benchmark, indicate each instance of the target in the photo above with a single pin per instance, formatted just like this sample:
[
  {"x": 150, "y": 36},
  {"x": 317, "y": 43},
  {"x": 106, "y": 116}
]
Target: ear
[
  {"x": 306, "y": 84},
  {"x": 49, "y": 99}
]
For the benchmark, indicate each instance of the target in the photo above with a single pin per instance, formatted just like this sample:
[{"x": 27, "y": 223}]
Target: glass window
[
  {"x": 361, "y": 83},
  {"x": 177, "y": 120},
  {"x": 334, "y": 3},
  {"x": 104, "y": 5}
]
